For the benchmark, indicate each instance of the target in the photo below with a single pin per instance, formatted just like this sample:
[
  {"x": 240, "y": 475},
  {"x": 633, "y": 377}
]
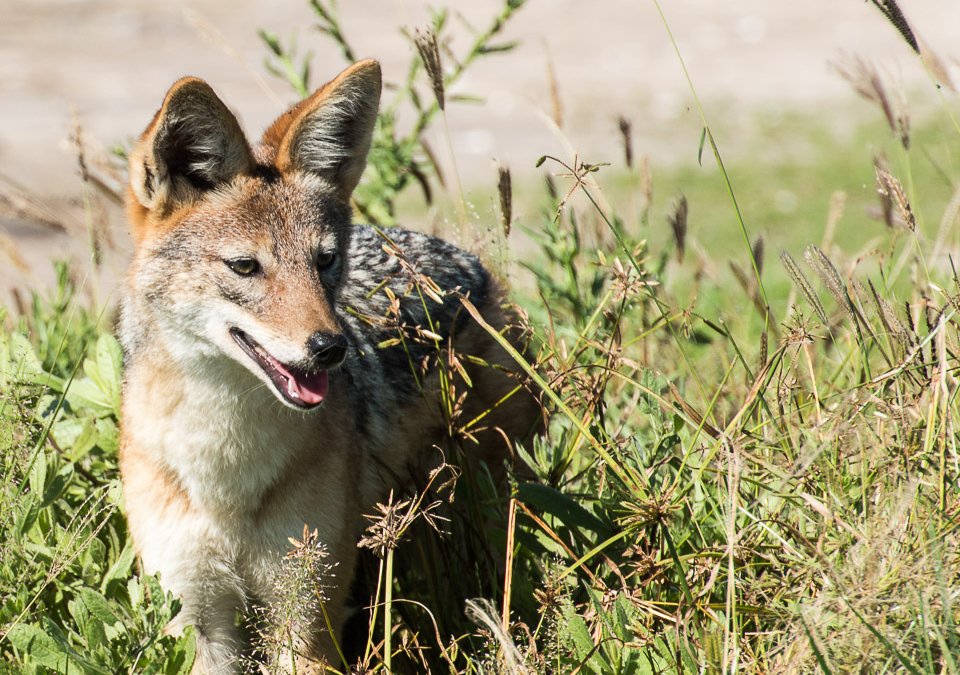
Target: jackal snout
[{"x": 327, "y": 350}]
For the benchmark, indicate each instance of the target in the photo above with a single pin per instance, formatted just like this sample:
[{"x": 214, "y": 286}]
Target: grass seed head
[
  {"x": 758, "y": 250},
  {"x": 892, "y": 195},
  {"x": 626, "y": 133},
  {"x": 678, "y": 224},
  {"x": 505, "y": 190},
  {"x": 429, "y": 51},
  {"x": 867, "y": 81},
  {"x": 894, "y": 15},
  {"x": 803, "y": 286},
  {"x": 827, "y": 272}
]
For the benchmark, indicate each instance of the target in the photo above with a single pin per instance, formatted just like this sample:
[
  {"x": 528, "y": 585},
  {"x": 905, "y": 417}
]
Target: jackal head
[{"x": 240, "y": 249}]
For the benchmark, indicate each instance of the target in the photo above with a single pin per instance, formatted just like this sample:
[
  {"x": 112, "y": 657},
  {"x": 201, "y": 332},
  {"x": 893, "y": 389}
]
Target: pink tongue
[{"x": 311, "y": 388}]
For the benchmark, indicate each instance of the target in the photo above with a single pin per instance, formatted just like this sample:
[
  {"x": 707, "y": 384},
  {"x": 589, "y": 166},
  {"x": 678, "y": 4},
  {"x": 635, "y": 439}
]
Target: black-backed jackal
[{"x": 258, "y": 397}]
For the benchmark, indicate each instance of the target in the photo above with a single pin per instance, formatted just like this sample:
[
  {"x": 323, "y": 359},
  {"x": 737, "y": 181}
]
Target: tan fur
[{"x": 222, "y": 465}]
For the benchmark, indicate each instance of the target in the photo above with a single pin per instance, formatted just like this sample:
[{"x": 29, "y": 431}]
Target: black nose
[{"x": 327, "y": 349}]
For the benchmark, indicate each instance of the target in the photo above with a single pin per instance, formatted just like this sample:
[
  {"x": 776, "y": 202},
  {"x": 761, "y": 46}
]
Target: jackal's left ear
[
  {"x": 193, "y": 144},
  {"x": 330, "y": 132}
]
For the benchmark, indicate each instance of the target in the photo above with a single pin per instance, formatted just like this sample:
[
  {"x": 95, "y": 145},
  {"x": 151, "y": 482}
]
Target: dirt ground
[{"x": 113, "y": 60}]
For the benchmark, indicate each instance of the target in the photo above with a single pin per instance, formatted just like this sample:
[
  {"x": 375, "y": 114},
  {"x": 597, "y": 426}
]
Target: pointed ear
[
  {"x": 330, "y": 132},
  {"x": 193, "y": 144}
]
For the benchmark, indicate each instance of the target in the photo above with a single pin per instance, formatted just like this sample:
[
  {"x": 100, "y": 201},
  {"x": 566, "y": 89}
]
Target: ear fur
[
  {"x": 330, "y": 132},
  {"x": 193, "y": 144}
]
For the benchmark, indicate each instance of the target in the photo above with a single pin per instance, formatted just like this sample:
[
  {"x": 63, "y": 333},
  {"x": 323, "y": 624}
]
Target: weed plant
[{"x": 770, "y": 486}]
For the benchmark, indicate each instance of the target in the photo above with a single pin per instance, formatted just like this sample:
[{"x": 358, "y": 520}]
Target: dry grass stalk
[
  {"x": 938, "y": 69},
  {"x": 678, "y": 224},
  {"x": 98, "y": 231},
  {"x": 889, "y": 317},
  {"x": 891, "y": 10},
  {"x": 429, "y": 51},
  {"x": 482, "y": 612},
  {"x": 892, "y": 194},
  {"x": 950, "y": 214},
  {"x": 827, "y": 272},
  {"x": 626, "y": 133},
  {"x": 17, "y": 205},
  {"x": 555, "y": 102},
  {"x": 646, "y": 184},
  {"x": 758, "y": 251},
  {"x": 505, "y": 190},
  {"x": 867, "y": 82},
  {"x": 803, "y": 286},
  {"x": 838, "y": 201},
  {"x": 10, "y": 247},
  {"x": 742, "y": 278},
  {"x": 205, "y": 29}
]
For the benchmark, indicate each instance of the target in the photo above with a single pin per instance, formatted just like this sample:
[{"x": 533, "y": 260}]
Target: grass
[{"x": 714, "y": 494}]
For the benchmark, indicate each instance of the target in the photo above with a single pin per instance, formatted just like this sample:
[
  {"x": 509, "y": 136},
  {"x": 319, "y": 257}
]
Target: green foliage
[{"x": 69, "y": 601}]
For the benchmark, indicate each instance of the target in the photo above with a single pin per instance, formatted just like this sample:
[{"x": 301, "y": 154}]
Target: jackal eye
[
  {"x": 325, "y": 260},
  {"x": 244, "y": 266}
]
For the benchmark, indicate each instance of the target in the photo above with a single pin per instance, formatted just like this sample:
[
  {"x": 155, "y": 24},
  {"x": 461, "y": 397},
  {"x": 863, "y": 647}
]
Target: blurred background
[{"x": 103, "y": 66}]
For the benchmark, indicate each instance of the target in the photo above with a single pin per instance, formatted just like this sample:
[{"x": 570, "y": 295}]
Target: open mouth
[{"x": 299, "y": 387}]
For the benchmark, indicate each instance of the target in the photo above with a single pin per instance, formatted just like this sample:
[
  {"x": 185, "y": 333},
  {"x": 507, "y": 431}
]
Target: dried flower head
[
  {"x": 626, "y": 281},
  {"x": 891, "y": 10},
  {"x": 678, "y": 223},
  {"x": 429, "y": 51},
  {"x": 867, "y": 81},
  {"x": 827, "y": 272},
  {"x": 803, "y": 285},
  {"x": 299, "y": 586},
  {"x": 505, "y": 190},
  {"x": 393, "y": 520},
  {"x": 626, "y": 131},
  {"x": 892, "y": 194}
]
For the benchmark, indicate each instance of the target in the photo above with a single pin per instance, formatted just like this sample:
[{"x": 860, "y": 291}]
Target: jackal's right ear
[{"x": 193, "y": 144}]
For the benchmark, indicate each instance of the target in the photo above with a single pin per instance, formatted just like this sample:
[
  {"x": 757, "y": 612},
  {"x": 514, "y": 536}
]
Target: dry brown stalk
[
  {"x": 838, "y": 201},
  {"x": 938, "y": 69},
  {"x": 889, "y": 318},
  {"x": 18, "y": 205},
  {"x": 506, "y": 198},
  {"x": 892, "y": 194},
  {"x": 626, "y": 132},
  {"x": 804, "y": 286},
  {"x": 758, "y": 250},
  {"x": 9, "y": 246},
  {"x": 867, "y": 82},
  {"x": 891, "y": 10},
  {"x": 827, "y": 272},
  {"x": 555, "y": 101},
  {"x": 429, "y": 51},
  {"x": 678, "y": 223}
]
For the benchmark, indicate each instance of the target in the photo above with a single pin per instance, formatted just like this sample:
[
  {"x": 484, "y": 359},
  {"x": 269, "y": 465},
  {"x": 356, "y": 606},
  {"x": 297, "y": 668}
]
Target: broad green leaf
[
  {"x": 108, "y": 436},
  {"x": 576, "y": 629},
  {"x": 120, "y": 569},
  {"x": 85, "y": 440},
  {"x": 562, "y": 506},
  {"x": 56, "y": 486},
  {"x": 98, "y": 606},
  {"x": 31, "y": 640},
  {"x": 110, "y": 366},
  {"x": 66, "y": 430},
  {"x": 180, "y": 662},
  {"x": 84, "y": 393}
]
